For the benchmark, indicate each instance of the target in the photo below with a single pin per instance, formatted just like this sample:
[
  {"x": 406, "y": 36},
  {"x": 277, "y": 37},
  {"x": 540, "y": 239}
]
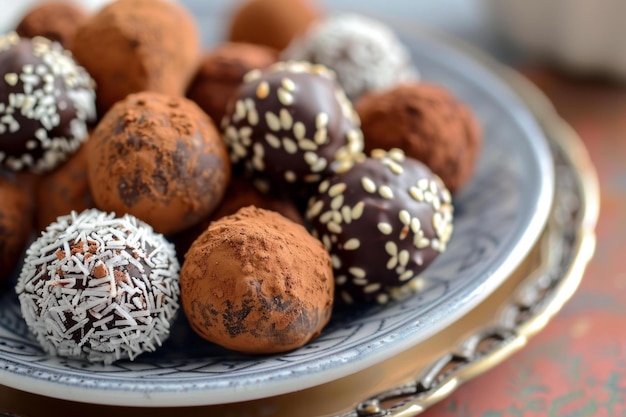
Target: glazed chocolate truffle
[
  {"x": 429, "y": 123},
  {"x": 222, "y": 70},
  {"x": 55, "y": 20},
  {"x": 272, "y": 23},
  {"x": 63, "y": 190},
  {"x": 138, "y": 45},
  {"x": 46, "y": 102},
  {"x": 15, "y": 225},
  {"x": 383, "y": 223},
  {"x": 257, "y": 283},
  {"x": 292, "y": 124},
  {"x": 159, "y": 158},
  {"x": 365, "y": 53},
  {"x": 99, "y": 288}
]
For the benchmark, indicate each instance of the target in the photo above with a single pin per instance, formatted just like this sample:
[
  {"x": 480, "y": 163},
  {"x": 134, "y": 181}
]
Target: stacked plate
[{"x": 519, "y": 249}]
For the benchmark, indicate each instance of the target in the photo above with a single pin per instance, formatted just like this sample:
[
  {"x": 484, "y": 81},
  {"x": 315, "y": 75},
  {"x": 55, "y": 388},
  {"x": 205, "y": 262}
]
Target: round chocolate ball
[
  {"x": 159, "y": 158},
  {"x": 365, "y": 53},
  {"x": 99, "y": 287},
  {"x": 258, "y": 283},
  {"x": 383, "y": 222},
  {"x": 46, "y": 103},
  {"x": 55, "y": 20},
  {"x": 292, "y": 125},
  {"x": 15, "y": 225}
]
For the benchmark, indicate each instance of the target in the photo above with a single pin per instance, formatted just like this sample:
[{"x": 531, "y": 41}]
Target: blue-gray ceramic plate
[{"x": 498, "y": 217}]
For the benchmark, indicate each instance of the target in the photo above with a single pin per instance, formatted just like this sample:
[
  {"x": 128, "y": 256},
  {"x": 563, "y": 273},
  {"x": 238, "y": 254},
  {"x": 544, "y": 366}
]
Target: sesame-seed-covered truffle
[
  {"x": 222, "y": 70},
  {"x": 383, "y": 222},
  {"x": 428, "y": 123},
  {"x": 159, "y": 158},
  {"x": 138, "y": 45},
  {"x": 46, "y": 103},
  {"x": 292, "y": 124},
  {"x": 365, "y": 53},
  {"x": 99, "y": 287},
  {"x": 258, "y": 283},
  {"x": 15, "y": 225},
  {"x": 52, "y": 19}
]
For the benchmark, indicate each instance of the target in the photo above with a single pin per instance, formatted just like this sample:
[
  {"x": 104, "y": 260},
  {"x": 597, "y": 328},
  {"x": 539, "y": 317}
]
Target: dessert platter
[{"x": 517, "y": 253}]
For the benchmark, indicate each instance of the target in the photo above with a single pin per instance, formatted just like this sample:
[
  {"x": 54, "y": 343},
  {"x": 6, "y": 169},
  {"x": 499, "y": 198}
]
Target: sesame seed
[
  {"x": 357, "y": 210},
  {"x": 384, "y": 228},
  {"x": 326, "y": 217},
  {"x": 359, "y": 281},
  {"x": 290, "y": 146},
  {"x": 337, "y": 217},
  {"x": 346, "y": 297},
  {"x": 286, "y": 121},
  {"x": 11, "y": 78},
  {"x": 415, "y": 225},
  {"x": 371, "y": 288},
  {"x": 288, "y": 84},
  {"x": 320, "y": 137},
  {"x": 346, "y": 214},
  {"x": 392, "y": 262},
  {"x": 333, "y": 227},
  {"x": 422, "y": 243},
  {"x": 315, "y": 209},
  {"x": 319, "y": 165},
  {"x": 395, "y": 167},
  {"x": 323, "y": 187},
  {"x": 307, "y": 145},
  {"x": 285, "y": 98},
  {"x": 343, "y": 166},
  {"x": 422, "y": 184},
  {"x": 336, "y": 202},
  {"x": 273, "y": 122},
  {"x": 272, "y": 140},
  {"x": 385, "y": 192},
  {"x": 391, "y": 248},
  {"x": 239, "y": 150},
  {"x": 240, "y": 110},
  {"x": 263, "y": 90},
  {"x": 299, "y": 130},
  {"x": 321, "y": 120},
  {"x": 341, "y": 280},
  {"x": 403, "y": 257},
  {"x": 406, "y": 275},
  {"x": 335, "y": 261},
  {"x": 337, "y": 189},
  {"x": 378, "y": 153},
  {"x": 404, "y": 216},
  {"x": 357, "y": 272},
  {"x": 368, "y": 185},
  {"x": 310, "y": 158},
  {"x": 416, "y": 194},
  {"x": 253, "y": 117},
  {"x": 352, "y": 244},
  {"x": 290, "y": 176},
  {"x": 252, "y": 75},
  {"x": 382, "y": 298},
  {"x": 396, "y": 154}
]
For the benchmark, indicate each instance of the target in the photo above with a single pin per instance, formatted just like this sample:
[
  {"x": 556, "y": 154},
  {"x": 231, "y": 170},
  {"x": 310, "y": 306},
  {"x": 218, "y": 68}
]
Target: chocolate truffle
[
  {"x": 365, "y": 53},
  {"x": 138, "y": 45},
  {"x": 159, "y": 158},
  {"x": 272, "y": 23},
  {"x": 99, "y": 288},
  {"x": 292, "y": 124},
  {"x": 222, "y": 70},
  {"x": 63, "y": 190},
  {"x": 55, "y": 20},
  {"x": 257, "y": 283},
  {"x": 383, "y": 222},
  {"x": 46, "y": 102},
  {"x": 429, "y": 123},
  {"x": 15, "y": 225}
]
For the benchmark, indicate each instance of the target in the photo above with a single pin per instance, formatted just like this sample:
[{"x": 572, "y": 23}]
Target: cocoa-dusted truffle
[
  {"x": 222, "y": 70},
  {"x": 138, "y": 45},
  {"x": 99, "y": 288},
  {"x": 273, "y": 23},
  {"x": 292, "y": 124},
  {"x": 159, "y": 158},
  {"x": 383, "y": 222},
  {"x": 55, "y": 20},
  {"x": 256, "y": 282},
  {"x": 429, "y": 123},
  {"x": 15, "y": 225},
  {"x": 63, "y": 190},
  {"x": 46, "y": 102},
  {"x": 365, "y": 53}
]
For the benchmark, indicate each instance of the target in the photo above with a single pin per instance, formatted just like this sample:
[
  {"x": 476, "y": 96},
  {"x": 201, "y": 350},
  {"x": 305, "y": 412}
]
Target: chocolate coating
[
  {"x": 383, "y": 222},
  {"x": 256, "y": 282},
  {"x": 159, "y": 158},
  {"x": 15, "y": 225},
  {"x": 99, "y": 288},
  {"x": 46, "y": 102},
  {"x": 292, "y": 125},
  {"x": 55, "y": 20},
  {"x": 429, "y": 123}
]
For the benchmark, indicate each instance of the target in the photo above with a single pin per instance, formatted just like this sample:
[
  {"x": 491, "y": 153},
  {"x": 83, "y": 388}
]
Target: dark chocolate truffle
[
  {"x": 292, "y": 124},
  {"x": 222, "y": 70},
  {"x": 55, "y": 20},
  {"x": 138, "y": 45},
  {"x": 159, "y": 158},
  {"x": 99, "y": 288},
  {"x": 383, "y": 222},
  {"x": 273, "y": 23},
  {"x": 429, "y": 123},
  {"x": 46, "y": 102},
  {"x": 256, "y": 282},
  {"x": 15, "y": 225},
  {"x": 365, "y": 53}
]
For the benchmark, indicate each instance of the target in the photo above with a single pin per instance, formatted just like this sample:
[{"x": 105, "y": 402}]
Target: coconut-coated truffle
[
  {"x": 366, "y": 54},
  {"x": 159, "y": 158},
  {"x": 98, "y": 287},
  {"x": 15, "y": 225},
  {"x": 292, "y": 125},
  {"x": 258, "y": 283},
  {"x": 55, "y": 20},
  {"x": 222, "y": 70},
  {"x": 138, "y": 45},
  {"x": 273, "y": 23},
  {"x": 429, "y": 123},
  {"x": 383, "y": 222},
  {"x": 46, "y": 103}
]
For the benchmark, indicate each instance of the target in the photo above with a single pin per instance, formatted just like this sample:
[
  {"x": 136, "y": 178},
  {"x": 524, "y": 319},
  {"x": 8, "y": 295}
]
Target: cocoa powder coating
[
  {"x": 159, "y": 158},
  {"x": 55, "y": 20},
  {"x": 257, "y": 283},
  {"x": 429, "y": 123},
  {"x": 15, "y": 225},
  {"x": 138, "y": 45}
]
